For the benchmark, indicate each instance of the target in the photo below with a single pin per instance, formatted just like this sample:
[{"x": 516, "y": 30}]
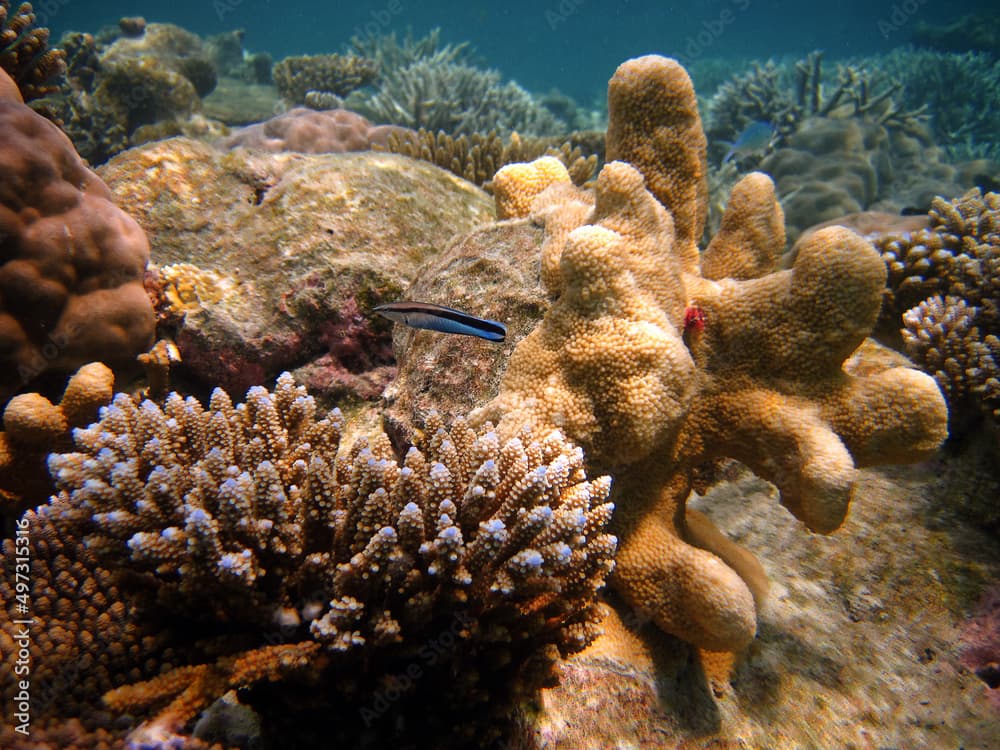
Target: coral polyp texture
[
  {"x": 72, "y": 266},
  {"x": 656, "y": 359},
  {"x": 945, "y": 283},
  {"x": 315, "y": 578}
]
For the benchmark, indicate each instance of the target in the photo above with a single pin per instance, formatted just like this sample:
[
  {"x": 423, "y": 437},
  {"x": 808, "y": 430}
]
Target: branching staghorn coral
[
  {"x": 312, "y": 577},
  {"x": 945, "y": 283},
  {"x": 455, "y": 98},
  {"x": 390, "y": 54},
  {"x": 785, "y": 96},
  {"x": 656, "y": 358},
  {"x": 421, "y": 86},
  {"x": 477, "y": 158},
  {"x": 932, "y": 79}
]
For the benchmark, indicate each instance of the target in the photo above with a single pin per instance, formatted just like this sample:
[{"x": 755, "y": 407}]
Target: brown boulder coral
[
  {"x": 71, "y": 277},
  {"x": 655, "y": 360},
  {"x": 318, "y": 579}
]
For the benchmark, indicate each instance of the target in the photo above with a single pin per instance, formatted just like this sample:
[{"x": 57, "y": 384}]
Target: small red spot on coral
[{"x": 694, "y": 319}]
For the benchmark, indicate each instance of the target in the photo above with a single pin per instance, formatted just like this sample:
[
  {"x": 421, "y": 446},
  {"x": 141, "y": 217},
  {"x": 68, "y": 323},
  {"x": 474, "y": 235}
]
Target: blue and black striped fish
[{"x": 443, "y": 319}]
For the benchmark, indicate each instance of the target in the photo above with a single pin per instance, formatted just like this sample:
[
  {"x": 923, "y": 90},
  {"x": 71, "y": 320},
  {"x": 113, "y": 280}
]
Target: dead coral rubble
[{"x": 314, "y": 577}]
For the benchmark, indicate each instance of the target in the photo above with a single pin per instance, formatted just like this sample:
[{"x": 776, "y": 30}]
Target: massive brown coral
[
  {"x": 316, "y": 579},
  {"x": 655, "y": 359},
  {"x": 72, "y": 263}
]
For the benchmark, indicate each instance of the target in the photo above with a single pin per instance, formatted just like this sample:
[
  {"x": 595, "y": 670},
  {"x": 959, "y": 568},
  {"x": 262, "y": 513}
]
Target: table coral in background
[
  {"x": 655, "y": 360},
  {"x": 71, "y": 281}
]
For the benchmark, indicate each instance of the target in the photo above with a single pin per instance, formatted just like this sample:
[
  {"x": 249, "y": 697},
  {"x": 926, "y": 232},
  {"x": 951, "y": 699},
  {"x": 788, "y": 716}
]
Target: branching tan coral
[
  {"x": 24, "y": 52},
  {"x": 942, "y": 336},
  {"x": 655, "y": 366},
  {"x": 944, "y": 292},
  {"x": 266, "y": 558}
]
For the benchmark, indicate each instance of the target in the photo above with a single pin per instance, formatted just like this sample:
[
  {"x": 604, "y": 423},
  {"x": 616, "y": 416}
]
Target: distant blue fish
[
  {"x": 444, "y": 319},
  {"x": 756, "y": 136}
]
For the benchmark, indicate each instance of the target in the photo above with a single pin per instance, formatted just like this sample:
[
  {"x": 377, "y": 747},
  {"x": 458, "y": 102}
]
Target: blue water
[{"x": 573, "y": 45}]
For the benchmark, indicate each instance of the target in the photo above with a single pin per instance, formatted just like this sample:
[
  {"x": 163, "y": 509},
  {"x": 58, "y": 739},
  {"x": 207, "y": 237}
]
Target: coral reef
[
  {"x": 863, "y": 139},
  {"x": 238, "y": 102},
  {"x": 975, "y": 32},
  {"x": 24, "y": 52},
  {"x": 73, "y": 263},
  {"x": 493, "y": 270},
  {"x": 477, "y": 158},
  {"x": 315, "y": 578},
  {"x": 389, "y": 53},
  {"x": 856, "y": 625},
  {"x": 655, "y": 367},
  {"x": 944, "y": 282},
  {"x": 132, "y": 27},
  {"x": 310, "y": 132},
  {"x": 336, "y": 74},
  {"x": 128, "y": 89},
  {"x": 285, "y": 254},
  {"x": 35, "y": 427},
  {"x": 837, "y": 166},
  {"x": 421, "y": 86},
  {"x": 165, "y": 47},
  {"x": 960, "y": 124},
  {"x": 785, "y": 96}
]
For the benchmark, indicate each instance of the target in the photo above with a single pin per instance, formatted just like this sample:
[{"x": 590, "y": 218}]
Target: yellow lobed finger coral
[
  {"x": 34, "y": 426},
  {"x": 656, "y": 360}
]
